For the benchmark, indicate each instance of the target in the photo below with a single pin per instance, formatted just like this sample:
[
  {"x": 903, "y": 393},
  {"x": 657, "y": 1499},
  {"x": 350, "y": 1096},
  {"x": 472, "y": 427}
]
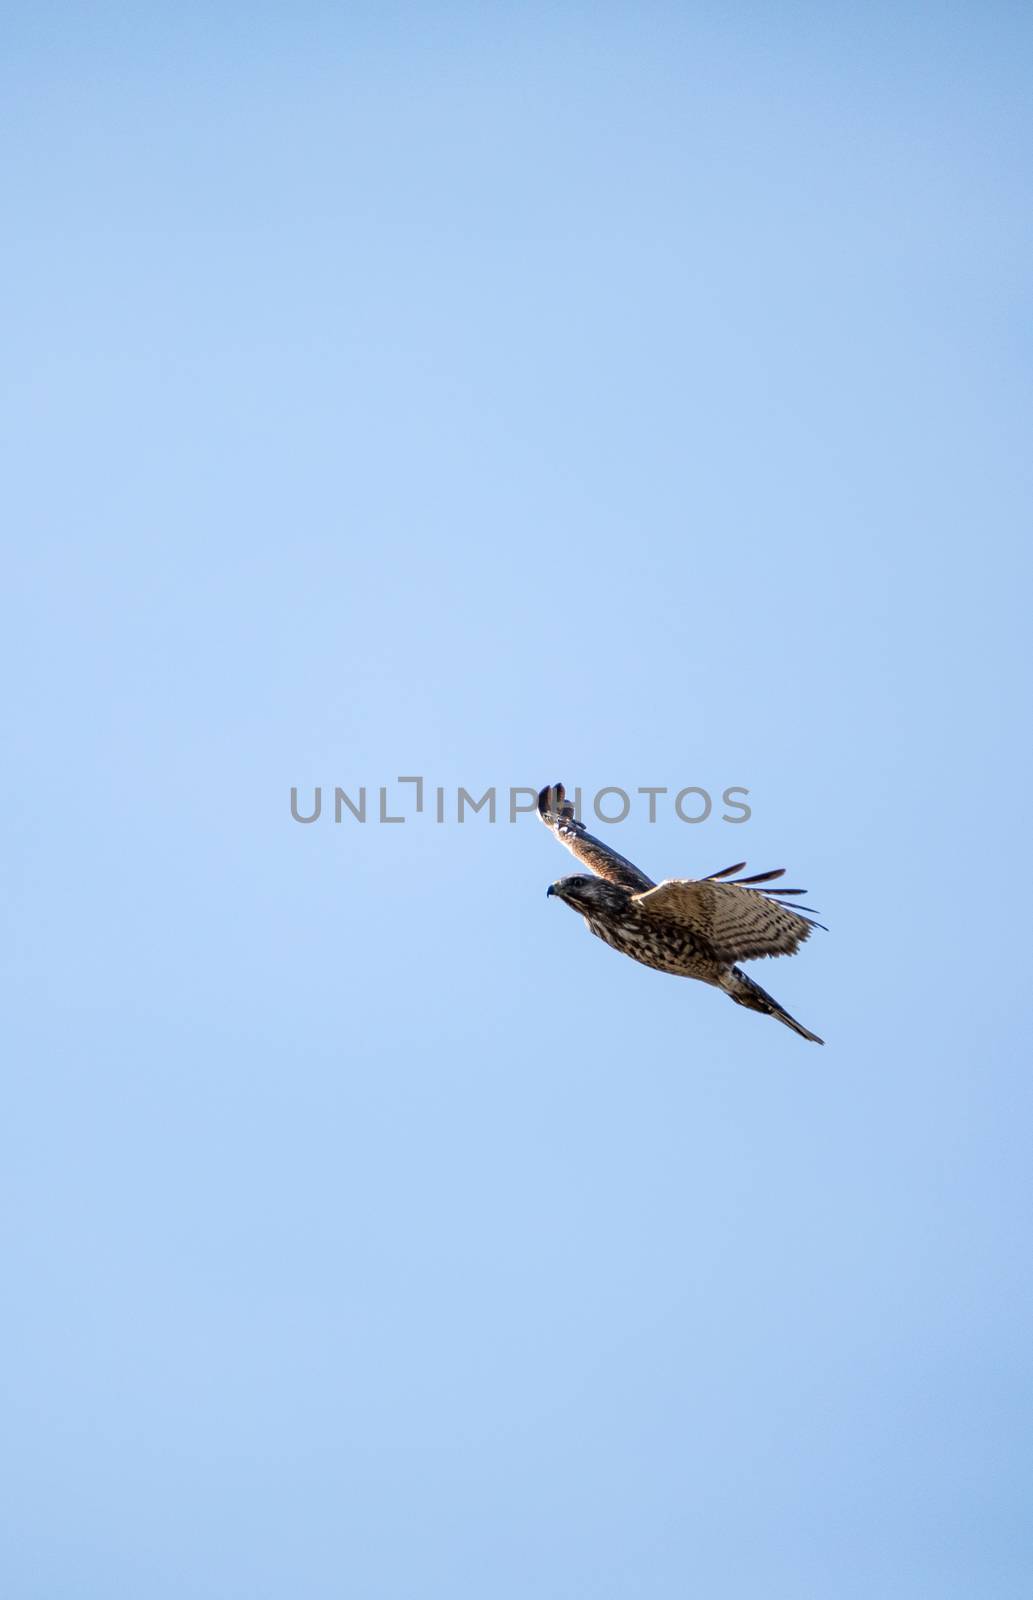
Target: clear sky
[{"x": 620, "y": 395}]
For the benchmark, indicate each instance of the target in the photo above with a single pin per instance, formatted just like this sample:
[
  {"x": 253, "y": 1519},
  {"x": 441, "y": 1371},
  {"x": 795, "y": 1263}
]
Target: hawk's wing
[
  {"x": 739, "y": 923},
  {"x": 557, "y": 813}
]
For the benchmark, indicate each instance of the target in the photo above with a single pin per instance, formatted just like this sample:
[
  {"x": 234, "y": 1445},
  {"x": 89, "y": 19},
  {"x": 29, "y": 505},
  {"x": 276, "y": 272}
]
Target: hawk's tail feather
[{"x": 746, "y": 993}]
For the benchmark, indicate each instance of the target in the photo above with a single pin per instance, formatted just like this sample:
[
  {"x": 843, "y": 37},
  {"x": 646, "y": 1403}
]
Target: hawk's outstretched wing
[
  {"x": 557, "y": 813},
  {"x": 739, "y": 923}
]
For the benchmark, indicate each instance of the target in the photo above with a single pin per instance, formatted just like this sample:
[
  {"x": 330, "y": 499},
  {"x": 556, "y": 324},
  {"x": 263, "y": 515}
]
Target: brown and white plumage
[
  {"x": 693, "y": 927},
  {"x": 557, "y": 813}
]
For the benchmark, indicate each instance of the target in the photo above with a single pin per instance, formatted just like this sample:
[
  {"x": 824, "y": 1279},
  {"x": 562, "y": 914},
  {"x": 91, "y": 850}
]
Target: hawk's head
[{"x": 591, "y": 896}]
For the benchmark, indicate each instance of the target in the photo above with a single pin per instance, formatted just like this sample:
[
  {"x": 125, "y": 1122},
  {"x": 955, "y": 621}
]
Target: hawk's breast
[{"x": 656, "y": 942}]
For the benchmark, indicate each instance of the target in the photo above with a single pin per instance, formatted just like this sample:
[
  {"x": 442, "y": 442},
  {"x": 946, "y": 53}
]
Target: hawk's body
[
  {"x": 693, "y": 928},
  {"x": 656, "y": 942}
]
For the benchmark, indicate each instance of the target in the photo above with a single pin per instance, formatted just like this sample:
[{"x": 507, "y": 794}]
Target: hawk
[{"x": 692, "y": 927}]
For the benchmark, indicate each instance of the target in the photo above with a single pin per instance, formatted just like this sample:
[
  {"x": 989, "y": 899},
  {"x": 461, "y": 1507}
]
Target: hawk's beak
[{"x": 550, "y": 890}]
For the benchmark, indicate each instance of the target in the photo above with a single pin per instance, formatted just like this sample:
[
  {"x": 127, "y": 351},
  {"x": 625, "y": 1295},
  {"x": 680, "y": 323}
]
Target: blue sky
[{"x": 626, "y": 396}]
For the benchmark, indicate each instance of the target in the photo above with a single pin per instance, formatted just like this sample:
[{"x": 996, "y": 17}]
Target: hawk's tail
[{"x": 745, "y": 992}]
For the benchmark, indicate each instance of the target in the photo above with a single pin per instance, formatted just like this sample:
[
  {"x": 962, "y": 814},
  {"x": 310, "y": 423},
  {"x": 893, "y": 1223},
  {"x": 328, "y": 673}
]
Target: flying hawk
[{"x": 692, "y": 927}]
